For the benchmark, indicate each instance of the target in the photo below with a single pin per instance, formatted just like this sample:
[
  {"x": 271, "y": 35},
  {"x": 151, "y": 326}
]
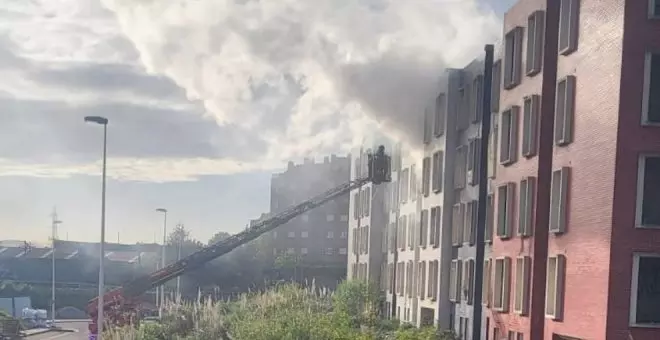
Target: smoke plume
[{"x": 308, "y": 77}]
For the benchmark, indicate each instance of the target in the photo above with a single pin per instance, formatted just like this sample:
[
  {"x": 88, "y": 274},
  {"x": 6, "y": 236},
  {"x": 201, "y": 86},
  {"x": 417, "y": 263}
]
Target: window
[
  {"x": 329, "y": 217},
  {"x": 502, "y": 286},
  {"x": 568, "y": 26},
  {"x": 490, "y": 218},
  {"x": 470, "y": 222},
  {"x": 474, "y": 154},
  {"x": 404, "y": 182},
  {"x": 393, "y": 237},
  {"x": 411, "y": 231},
  {"x": 526, "y": 207},
  {"x": 436, "y": 225},
  {"x": 331, "y": 234},
  {"x": 505, "y": 202},
  {"x": 456, "y": 224},
  {"x": 440, "y": 115},
  {"x": 329, "y": 251},
  {"x": 423, "y": 228},
  {"x": 400, "y": 276},
  {"x": 413, "y": 183},
  {"x": 292, "y": 234},
  {"x": 403, "y": 223},
  {"x": 492, "y": 147},
  {"x": 535, "y": 30},
  {"x": 644, "y": 307},
  {"x": 468, "y": 281},
  {"x": 367, "y": 202},
  {"x": 495, "y": 89},
  {"x": 305, "y": 218},
  {"x": 409, "y": 279},
  {"x": 530, "y": 125},
  {"x": 432, "y": 291},
  {"x": 477, "y": 98},
  {"x": 558, "y": 196},
  {"x": 365, "y": 239},
  {"x": 487, "y": 284},
  {"x": 512, "y": 57},
  {"x": 564, "y": 110},
  {"x": 460, "y": 169},
  {"x": 421, "y": 282},
  {"x": 521, "y": 299},
  {"x": 343, "y": 218},
  {"x": 554, "y": 291},
  {"x": 427, "y": 127},
  {"x": 344, "y": 234},
  {"x": 290, "y": 251},
  {"x": 356, "y": 206},
  {"x": 509, "y": 136},
  {"x": 342, "y": 251},
  {"x": 654, "y": 9},
  {"x": 455, "y": 272},
  {"x": 303, "y": 251},
  {"x": 304, "y": 234},
  {"x": 426, "y": 176},
  {"x": 648, "y": 195},
  {"x": 464, "y": 106},
  {"x": 651, "y": 94},
  {"x": 437, "y": 171},
  {"x": 354, "y": 246}
]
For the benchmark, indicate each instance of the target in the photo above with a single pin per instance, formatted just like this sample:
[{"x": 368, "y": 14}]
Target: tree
[
  {"x": 180, "y": 236},
  {"x": 219, "y": 236}
]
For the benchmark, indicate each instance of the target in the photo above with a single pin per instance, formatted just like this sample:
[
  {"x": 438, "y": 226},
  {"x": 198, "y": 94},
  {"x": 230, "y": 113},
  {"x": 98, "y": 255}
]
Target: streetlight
[
  {"x": 55, "y": 222},
  {"x": 162, "y": 260},
  {"x": 102, "y": 121}
]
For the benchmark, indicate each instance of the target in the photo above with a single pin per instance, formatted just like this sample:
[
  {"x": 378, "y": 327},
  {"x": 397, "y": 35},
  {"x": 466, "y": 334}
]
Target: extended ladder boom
[{"x": 378, "y": 172}]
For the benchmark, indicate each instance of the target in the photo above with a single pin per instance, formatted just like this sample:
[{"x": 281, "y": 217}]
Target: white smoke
[{"x": 308, "y": 76}]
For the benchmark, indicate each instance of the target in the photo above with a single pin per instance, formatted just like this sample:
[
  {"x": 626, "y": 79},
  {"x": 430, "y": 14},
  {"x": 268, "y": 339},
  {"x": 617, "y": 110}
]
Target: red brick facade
[{"x": 607, "y": 138}]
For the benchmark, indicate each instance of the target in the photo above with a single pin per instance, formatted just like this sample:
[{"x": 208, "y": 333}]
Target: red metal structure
[{"x": 120, "y": 303}]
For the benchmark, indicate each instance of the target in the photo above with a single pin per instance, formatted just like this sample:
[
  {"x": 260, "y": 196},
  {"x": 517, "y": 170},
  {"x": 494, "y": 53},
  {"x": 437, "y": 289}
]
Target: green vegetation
[{"x": 285, "y": 312}]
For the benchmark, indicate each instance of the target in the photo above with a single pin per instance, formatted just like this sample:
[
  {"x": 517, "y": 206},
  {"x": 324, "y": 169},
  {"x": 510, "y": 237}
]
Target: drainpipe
[{"x": 483, "y": 193}]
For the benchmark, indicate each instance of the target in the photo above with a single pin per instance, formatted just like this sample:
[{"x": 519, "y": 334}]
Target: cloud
[{"x": 204, "y": 87}]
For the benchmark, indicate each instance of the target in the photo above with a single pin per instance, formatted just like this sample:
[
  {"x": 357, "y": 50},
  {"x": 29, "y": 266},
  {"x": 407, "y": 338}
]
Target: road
[{"x": 79, "y": 325}]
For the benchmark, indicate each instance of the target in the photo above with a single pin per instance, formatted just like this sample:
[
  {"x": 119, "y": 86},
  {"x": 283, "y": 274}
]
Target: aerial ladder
[{"x": 120, "y": 305}]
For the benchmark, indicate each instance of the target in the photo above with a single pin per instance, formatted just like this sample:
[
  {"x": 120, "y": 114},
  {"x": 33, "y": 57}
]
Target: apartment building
[
  {"x": 576, "y": 250},
  {"x": 403, "y": 271},
  {"x": 319, "y": 236},
  {"x": 367, "y": 223}
]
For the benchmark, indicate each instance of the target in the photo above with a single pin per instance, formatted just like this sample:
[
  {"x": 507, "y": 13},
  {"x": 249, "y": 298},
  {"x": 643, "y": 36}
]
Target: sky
[{"x": 205, "y": 99}]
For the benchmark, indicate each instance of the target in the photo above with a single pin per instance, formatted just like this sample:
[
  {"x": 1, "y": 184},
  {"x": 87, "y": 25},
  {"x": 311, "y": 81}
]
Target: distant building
[{"x": 320, "y": 236}]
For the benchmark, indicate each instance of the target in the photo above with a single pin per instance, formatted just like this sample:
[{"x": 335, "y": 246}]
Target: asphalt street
[{"x": 79, "y": 325}]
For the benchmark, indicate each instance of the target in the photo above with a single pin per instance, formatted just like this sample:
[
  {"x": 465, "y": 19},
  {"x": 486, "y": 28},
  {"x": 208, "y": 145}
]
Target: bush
[{"x": 286, "y": 312}]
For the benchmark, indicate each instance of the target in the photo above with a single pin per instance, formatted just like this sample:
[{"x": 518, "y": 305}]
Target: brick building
[
  {"x": 576, "y": 253},
  {"x": 320, "y": 236}
]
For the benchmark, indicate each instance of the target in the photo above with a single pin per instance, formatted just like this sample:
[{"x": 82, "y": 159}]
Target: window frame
[
  {"x": 424, "y": 220},
  {"x": 535, "y": 37},
  {"x": 460, "y": 165},
  {"x": 505, "y": 285},
  {"x": 490, "y": 218},
  {"x": 523, "y": 274},
  {"x": 564, "y": 188},
  {"x": 511, "y": 146},
  {"x": 458, "y": 215},
  {"x": 496, "y": 86},
  {"x": 476, "y": 113},
  {"x": 513, "y": 63},
  {"x": 653, "y": 6},
  {"x": 559, "y": 284},
  {"x": 487, "y": 283},
  {"x": 634, "y": 283},
  {"x": 439, "y": 124},
  {"x": 646, "y": 91},
  {"x": 470, "y": 222},
  {"x": 573, "y": 22},
  {"x": 437, "y": 173},
  {"x": 526, "y": 206},
  {"x": 530, "y": 125},
  {"x": 508, "y": 210},
  {"x": 454, "y": 295},
  {"x": 427, "y": 127},
  {"x": 564, "y": 120},
  {"x": 426, "y": 176},
  {"x": 473, "y": 158},
  {"x": 639, "y": 196}
]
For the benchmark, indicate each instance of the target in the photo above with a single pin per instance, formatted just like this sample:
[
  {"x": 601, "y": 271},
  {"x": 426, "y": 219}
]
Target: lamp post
[
  {"x": 162, "y": 260},
  {"x": 55, "y": 222},
  {"x": 102, "y": 121}
]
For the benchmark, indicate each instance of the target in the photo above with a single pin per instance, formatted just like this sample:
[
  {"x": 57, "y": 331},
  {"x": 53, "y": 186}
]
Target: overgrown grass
[{"x": 286, "y": 312}]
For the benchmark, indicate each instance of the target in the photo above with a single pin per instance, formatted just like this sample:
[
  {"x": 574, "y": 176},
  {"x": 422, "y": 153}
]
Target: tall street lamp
[
  {"x": 102, "y": 121},
  {"x": 55, "y": 223},
  {"x": 162, "y": 260}
]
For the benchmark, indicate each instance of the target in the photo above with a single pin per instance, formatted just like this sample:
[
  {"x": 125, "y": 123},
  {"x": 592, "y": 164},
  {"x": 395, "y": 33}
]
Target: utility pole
[
  {"x": 54, "y": 224},
  {"x": 483, "y": 191}
]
